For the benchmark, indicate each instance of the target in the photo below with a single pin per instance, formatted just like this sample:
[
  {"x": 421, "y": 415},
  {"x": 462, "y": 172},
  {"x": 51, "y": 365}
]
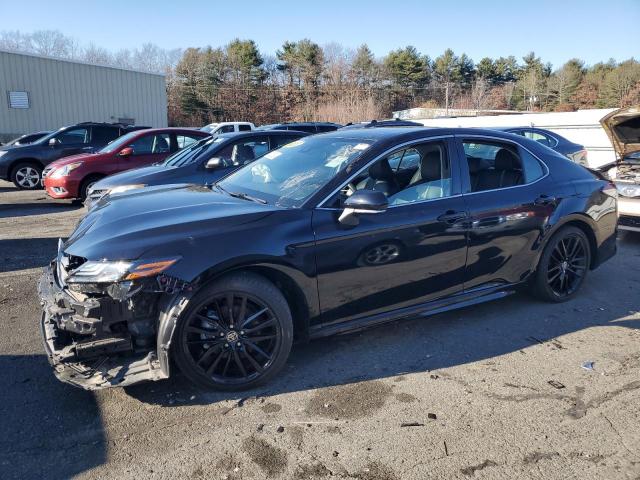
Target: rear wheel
[
  {"x": 26, "y": 175},
  {"x": 237, "y": 333},
  {"x": 563, "y": 266}
]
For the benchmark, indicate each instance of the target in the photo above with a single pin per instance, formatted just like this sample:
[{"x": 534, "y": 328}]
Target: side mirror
[
  {"x": 214, "y": 163},
  {"x": 126, "y": 151},
  {"x": 362, "y": 202},
  {"x": 53, "y": 142}
]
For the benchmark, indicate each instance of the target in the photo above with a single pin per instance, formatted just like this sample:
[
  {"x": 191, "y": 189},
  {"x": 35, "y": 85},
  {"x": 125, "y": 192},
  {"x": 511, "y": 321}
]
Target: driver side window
[{"x": 414, "y": 174}]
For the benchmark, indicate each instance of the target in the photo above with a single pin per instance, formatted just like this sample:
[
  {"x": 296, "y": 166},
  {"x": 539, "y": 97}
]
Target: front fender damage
[{"x": 110, "y": 338}]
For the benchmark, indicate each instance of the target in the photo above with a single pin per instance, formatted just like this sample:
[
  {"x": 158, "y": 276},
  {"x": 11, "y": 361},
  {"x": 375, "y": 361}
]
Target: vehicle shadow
[
  {"x": 20, "y": 253},
  {"x": 49, "y": 430},
  {"x": 473, "y": 334},
  {"x": 36, "y": 208}
]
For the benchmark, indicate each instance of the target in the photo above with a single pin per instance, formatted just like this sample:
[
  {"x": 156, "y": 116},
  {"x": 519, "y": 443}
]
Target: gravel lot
[{"x": 472, "y": 389}]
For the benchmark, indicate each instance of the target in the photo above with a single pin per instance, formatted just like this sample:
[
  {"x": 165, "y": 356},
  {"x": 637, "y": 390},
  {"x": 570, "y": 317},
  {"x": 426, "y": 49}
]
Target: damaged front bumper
[{"x": 84, "y": 347}]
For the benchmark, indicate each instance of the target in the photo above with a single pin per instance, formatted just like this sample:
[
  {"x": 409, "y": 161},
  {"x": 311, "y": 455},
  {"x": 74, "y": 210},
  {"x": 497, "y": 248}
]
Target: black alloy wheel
[
  {"x": 563, "y": 265},
  {"x": 237, "y": 334}
]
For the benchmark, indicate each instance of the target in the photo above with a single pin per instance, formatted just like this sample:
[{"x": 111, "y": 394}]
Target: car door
[
  {"x": 509, "y": 197},
  {"x": 412, "y": 253},
  {"x": 147, "y": 150}
]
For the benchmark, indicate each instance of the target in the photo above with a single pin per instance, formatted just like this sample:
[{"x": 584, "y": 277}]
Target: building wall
[
  {"x": 581, "y": 127},
  {"x": 65, "y": 92}
]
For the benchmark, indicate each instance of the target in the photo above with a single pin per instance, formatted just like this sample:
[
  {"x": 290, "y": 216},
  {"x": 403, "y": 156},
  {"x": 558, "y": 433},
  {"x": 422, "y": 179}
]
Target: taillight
[{"x": 610, "y": 189}]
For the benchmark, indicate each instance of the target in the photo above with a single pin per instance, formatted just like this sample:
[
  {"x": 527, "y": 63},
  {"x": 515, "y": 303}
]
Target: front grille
[{"x": 628, "y": 221}]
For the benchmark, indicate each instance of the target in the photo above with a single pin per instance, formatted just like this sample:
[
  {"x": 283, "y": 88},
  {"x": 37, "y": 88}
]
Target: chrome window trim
[
  {"x": 375, "y": 159},
  {"x": 440, "y": 137}
]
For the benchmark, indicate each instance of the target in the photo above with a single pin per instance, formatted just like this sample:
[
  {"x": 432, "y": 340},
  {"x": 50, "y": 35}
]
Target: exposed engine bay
[{"x": 104, "y": 334}]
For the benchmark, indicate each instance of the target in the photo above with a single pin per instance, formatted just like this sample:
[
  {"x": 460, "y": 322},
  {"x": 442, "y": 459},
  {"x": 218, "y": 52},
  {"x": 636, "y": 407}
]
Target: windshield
[
  {"x": 291, "y": 174},
  {"x": 118, "y": 142},
  {"x": 191, "y": 153}
]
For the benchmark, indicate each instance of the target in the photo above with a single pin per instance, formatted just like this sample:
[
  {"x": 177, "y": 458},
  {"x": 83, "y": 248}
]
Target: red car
[{"x": 71, "y": 177}]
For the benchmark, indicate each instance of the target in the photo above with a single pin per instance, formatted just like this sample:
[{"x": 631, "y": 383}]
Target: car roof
[
  {"x": 517, "y": 127},
  {"x": 260, "y": 133},
  {"x": 173, "y": 129},
  {"x": 410, "y": 133}
]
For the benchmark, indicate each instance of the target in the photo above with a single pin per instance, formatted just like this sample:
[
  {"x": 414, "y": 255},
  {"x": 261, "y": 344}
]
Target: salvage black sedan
[{"x": 327, "y": 234}]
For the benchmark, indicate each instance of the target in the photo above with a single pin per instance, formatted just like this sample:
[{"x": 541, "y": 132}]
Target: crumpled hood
[
  {"x": 149, "y": 220},
  {"x": 131, "y": 177},
  {"x": 623, "y": 128}
]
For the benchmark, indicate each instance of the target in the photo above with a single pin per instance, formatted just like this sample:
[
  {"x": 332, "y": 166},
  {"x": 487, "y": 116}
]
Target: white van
[{"x": 228, "y": 127}]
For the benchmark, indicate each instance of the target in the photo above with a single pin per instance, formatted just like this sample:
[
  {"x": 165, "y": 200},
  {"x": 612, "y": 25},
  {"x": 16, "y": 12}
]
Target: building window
[{"x": 18, "y": 100}]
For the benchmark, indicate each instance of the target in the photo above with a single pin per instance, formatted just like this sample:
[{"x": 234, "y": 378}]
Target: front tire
[
  {"x": 563, "y": 266},
  {"x": 235, "y": 334},
  {"x": 26, "y": 176},
  {"x": 86, "y": 185}
]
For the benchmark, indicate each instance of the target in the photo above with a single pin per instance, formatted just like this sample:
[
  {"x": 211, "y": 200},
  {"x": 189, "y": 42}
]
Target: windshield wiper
[
  {"x": 244, "y": 196},
  {"x": 241, "y": 195}
]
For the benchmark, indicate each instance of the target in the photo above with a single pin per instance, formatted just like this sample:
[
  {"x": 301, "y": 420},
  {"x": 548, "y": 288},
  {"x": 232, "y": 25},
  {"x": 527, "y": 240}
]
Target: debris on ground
[
  {"x": 280, "y": 429},
  {"x": 431, "y": 416},
  {"x": 411, "y": 424},
  {"x": 555, "y": 384},
  {"x": 589, "y": 365}
]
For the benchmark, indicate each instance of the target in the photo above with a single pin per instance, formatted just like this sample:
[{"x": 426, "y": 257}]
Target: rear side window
[
  {"x": 531, "y": 166},
  {"x": 541, "y": 138},
  {"x": 103, "y": 135},
  {"x": 495, "y": 165},
  {"x": 244, "y": 128}
]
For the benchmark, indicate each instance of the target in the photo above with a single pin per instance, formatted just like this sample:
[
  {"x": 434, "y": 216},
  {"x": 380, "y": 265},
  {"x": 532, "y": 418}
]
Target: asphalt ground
[{"x": 491, "y": 391}]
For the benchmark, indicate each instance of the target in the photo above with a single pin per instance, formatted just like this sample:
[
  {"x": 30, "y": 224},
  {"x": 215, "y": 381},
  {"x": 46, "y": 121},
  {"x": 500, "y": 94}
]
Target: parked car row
[
  {"x": 23, "y": 163},
  {"x": 307, "y": 236}
]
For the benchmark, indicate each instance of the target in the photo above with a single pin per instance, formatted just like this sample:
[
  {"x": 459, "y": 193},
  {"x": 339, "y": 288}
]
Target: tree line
[{"x": 304, "y": 81}]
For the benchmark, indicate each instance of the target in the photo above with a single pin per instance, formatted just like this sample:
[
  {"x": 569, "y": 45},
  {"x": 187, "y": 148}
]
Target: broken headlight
[{"x": 112, "y": 272}]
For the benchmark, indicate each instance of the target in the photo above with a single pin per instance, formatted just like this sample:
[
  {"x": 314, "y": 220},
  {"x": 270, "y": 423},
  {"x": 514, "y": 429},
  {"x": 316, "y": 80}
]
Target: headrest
[
  {"x": 381, "y": 170},
  {"x": 476, "y": 164},
  {"x": 430, "y": 166},
  {"x": 506, "y": 160}
]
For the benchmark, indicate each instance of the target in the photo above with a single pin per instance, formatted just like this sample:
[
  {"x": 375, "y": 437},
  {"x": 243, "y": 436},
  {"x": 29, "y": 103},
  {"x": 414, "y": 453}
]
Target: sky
[{"x": 556, "y": 30}]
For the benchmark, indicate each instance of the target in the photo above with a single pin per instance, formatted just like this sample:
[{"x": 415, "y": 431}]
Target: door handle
[
  {"x": 450, "y": 217},
  {"x": 544, "y": 200}
]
